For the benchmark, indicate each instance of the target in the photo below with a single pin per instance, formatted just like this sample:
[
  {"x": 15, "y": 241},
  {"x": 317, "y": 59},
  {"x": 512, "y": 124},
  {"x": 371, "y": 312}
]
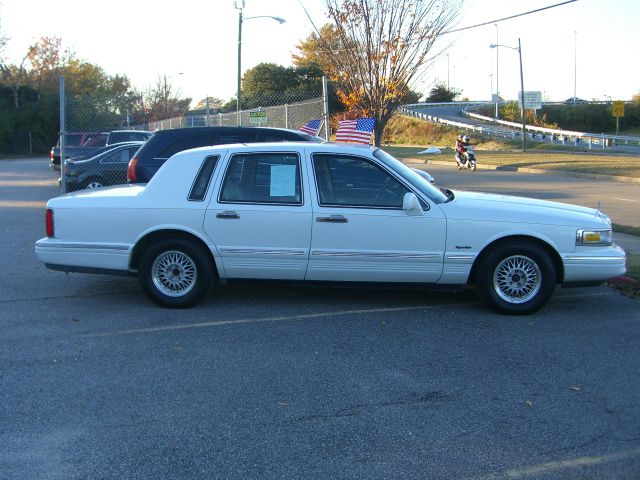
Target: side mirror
[{"x": 411, "y": 205}]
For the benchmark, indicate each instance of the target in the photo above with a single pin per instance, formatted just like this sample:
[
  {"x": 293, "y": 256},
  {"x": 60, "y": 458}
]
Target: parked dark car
[
  {"x": 77, "y": 143},
  {"x": 118, "y": 136},
  {"x": 106, "y": 168},
  {"x": 88, "y": 144},
  {"x": 166, "y": 143}
]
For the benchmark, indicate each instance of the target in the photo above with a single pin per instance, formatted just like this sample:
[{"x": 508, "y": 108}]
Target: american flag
[
  {"x": 312, "y": 127},
  {"x": 355, "y": 131}
]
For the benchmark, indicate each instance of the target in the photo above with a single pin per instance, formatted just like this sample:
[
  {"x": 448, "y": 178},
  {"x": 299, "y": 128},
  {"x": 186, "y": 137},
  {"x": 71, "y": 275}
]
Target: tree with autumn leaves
[{"x": 374, "y": 49}]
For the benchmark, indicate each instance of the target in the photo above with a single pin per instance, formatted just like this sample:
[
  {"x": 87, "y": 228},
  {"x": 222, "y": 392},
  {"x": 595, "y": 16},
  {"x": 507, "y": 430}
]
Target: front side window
[
  {"x": 355, "y": 182},
  {"x": 272, "y": 178}
]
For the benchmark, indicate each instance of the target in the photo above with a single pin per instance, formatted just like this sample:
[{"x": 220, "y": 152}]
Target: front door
[
  {"x": 360, "y": 231},
  {"x": 259, "y": 220}
]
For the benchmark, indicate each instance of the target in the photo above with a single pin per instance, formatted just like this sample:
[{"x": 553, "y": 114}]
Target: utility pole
[{"x": 497, "y": 76}]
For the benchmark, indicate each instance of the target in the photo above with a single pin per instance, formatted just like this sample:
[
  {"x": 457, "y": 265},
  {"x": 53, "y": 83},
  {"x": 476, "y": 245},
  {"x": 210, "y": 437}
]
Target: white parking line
[
  {"x": 304, "y": 316},
  {"x": 627, "y": 200},
  {"x": 549, "y": 467}
]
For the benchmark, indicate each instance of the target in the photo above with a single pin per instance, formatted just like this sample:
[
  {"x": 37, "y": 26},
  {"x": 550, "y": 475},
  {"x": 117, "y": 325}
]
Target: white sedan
[{"x": 323, "y": 212}]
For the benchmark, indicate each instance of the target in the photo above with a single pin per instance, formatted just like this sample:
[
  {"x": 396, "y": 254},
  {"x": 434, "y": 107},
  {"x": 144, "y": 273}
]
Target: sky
[{"x": 589, "y": 44}]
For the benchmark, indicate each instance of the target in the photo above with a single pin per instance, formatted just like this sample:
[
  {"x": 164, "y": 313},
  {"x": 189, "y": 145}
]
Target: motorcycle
[{"x": 468, "y": 159}]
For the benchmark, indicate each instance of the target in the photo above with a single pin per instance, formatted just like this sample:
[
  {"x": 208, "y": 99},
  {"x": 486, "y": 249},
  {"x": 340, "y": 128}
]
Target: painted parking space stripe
[
  {"x": 555, "y": 466},
  {"x": 305, "y": 316},
  {"x": 627, "y": 200},
  {"x": 286, "y": 318}
]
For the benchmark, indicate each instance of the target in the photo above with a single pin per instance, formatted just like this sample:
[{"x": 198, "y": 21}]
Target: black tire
[
  {"x": 516, "y": 279},
  {"x": 175, "y": 273}
]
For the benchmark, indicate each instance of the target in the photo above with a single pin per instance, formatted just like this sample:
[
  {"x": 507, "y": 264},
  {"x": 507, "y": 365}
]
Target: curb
[{"x": 593, "y": 176}]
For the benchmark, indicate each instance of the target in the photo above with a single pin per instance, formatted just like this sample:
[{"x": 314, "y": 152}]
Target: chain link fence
[
  {"x": 98, "y": 139},
  {"x": 288, "y": 115}
]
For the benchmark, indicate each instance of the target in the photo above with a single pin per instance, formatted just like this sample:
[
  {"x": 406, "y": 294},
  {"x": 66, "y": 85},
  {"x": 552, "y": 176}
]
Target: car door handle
[
  {"x": 332, "y": 219},
  {"x": 228, "y": 215}
]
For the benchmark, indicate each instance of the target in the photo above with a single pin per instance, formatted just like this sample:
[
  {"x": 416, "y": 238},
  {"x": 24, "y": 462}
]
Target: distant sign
[
  {"x": 532, "y": 100},
  {"x": 618, "y": 109},
  {"x": 495, "y": 98},
  {"x": 258, "y": 118}
]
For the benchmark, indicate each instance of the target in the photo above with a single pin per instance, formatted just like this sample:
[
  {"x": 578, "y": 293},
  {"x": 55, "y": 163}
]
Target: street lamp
[
  {"x": 497, "y": 77},
  {"x": 522, "y": 110},
  {"x": 575, "y": 63},
  {"x": 240, "y": 20}
]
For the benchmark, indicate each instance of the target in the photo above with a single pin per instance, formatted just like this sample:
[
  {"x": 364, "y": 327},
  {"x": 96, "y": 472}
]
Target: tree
[
  {"x": 162, "y": 101},
  {"x": 440, "y": 93},
  {"x": 312, "y": 50},
  {"x": 214, "y": 104},
  {"x": 383, "y": 46},
  {"x": 271, "y": 84}
]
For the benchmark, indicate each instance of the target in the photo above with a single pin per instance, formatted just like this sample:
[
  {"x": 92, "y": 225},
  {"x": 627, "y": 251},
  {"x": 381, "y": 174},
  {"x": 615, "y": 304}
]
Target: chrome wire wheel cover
[
  {"x": 94, "y": 184},
  {"x": 517, "y": 279},
  {"x": 174, "y": 273}
]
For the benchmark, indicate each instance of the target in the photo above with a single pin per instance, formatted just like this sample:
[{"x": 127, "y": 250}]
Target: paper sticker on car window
[{"x": 283, "y": 181}]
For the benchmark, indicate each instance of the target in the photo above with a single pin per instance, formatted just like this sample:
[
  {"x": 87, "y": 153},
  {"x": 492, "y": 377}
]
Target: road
[
  {"x": 454, "y": 114},
  {"x": 619, "y": 200},
  {"x": 261, "y": 382}
]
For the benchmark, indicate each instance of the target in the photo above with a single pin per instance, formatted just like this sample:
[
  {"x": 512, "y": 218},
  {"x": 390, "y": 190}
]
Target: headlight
[{"x": 593, "y": 237}]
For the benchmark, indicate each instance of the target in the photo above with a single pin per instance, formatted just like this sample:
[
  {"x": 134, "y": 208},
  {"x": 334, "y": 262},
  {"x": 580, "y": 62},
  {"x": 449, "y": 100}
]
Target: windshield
[{"x": 434, "y": 193}]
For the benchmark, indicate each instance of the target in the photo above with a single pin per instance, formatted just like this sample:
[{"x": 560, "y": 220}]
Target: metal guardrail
[{"x": 535, "y": 133}]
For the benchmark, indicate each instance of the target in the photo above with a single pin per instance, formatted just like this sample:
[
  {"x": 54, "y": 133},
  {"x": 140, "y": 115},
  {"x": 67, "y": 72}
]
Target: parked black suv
[{"x": 166, "y": 143}]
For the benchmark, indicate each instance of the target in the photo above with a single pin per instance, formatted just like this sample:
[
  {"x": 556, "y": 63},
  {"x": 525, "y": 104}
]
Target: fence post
[
  {"x": 325, "y": 98},
  {"x": 63, "y": 183},
  {"x": 286, "y": 116}
]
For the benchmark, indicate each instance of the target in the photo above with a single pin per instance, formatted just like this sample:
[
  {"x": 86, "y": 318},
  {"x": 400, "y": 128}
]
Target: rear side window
[
  {"x": 271, "y": 178},
  {"x": 203, "y": 179},
  {"x": 225, "y": 138},
  {"x": 185, "y": 143},
  {"x": 120, "y": 156}
]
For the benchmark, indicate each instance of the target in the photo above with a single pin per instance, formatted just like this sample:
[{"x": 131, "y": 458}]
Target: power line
[{"x": 508, "y": 18}]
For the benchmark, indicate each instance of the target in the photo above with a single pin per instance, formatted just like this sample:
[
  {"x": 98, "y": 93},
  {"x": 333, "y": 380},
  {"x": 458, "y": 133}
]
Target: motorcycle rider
[{"x": 461, "y": 147}]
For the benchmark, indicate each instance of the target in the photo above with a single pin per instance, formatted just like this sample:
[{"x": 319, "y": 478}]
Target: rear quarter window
[
  {"x": 226, "y": 138},
  {"x": 185, "y": 143}
]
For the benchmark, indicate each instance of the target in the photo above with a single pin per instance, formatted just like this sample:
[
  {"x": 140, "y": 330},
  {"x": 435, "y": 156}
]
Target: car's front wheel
[
  {"x": 175, "y": 273},
  {"x": 518, "y": 279}
]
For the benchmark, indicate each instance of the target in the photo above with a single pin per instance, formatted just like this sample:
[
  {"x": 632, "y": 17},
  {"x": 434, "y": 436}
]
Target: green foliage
[
  {"x": 440, "y": 93},
  {"x": 593, "y": 118},
  {"x": 270, "y": 84}
]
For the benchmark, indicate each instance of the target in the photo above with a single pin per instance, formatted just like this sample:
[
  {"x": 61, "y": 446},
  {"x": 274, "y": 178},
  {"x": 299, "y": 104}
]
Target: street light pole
[
  {"x": 575, "y": 63},
  {"x": 524, "y": 120},
  {"x": 240, "y": 20},
  {"x": 497, "y": 77},
  {"x": 522, "y": 110},
  {"x": 238, "y": 98}
]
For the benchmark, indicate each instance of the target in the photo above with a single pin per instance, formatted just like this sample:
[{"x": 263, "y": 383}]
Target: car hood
[{"x": 507, "y": 208}]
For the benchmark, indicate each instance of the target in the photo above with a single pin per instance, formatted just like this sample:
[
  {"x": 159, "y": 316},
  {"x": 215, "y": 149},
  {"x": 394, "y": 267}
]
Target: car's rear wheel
[
  {"x": 516, "y": 280},
  {"x": 175, "y": 273},
  {"x": 94, "y": 183}
]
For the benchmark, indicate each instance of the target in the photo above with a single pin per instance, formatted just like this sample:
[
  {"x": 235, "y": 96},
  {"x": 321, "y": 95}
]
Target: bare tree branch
[{"x": 383, "y": 46}]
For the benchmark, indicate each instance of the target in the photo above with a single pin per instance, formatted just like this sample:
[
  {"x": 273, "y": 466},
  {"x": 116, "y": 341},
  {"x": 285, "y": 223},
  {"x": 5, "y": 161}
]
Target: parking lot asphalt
[{"x": 261, "y": 381}]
